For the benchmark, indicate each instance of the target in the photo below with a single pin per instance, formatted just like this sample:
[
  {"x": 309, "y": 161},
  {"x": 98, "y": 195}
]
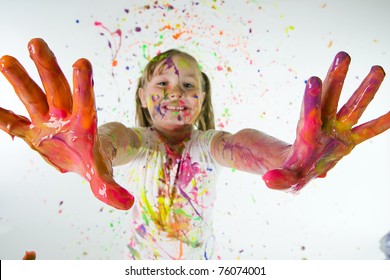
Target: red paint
[{"x": 68, "y": 140}]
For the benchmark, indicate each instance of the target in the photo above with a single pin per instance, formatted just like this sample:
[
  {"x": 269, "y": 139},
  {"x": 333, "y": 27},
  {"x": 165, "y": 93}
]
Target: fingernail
[
  {"x": 7, "y": 62},
  {"x": 4, "y": 62},
  {"x": 340, "y": 58},
  {"x": 83, "y": 65},
  {"x": 38, "y": 47},
  {"x": 378, "y": 68},
  {"x": 314, "y": 83}
]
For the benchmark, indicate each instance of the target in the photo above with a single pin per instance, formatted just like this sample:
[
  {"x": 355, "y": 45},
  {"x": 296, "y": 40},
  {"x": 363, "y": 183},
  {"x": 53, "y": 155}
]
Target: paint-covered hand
[
  {"x": 62, "y": 128},
  {"x": 324, "y": 135}
]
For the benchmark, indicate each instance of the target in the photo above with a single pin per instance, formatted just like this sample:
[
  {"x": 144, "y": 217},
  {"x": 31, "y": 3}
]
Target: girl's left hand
[{"x": 324, "y": 135}]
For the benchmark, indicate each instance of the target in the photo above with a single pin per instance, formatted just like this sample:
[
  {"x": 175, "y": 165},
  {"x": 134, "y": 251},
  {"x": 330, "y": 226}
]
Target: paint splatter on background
[{"x": 204, "y": 29}]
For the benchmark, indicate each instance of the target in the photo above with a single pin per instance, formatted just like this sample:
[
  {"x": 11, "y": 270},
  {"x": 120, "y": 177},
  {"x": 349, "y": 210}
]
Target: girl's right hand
[{"x": 62, "y": 128}]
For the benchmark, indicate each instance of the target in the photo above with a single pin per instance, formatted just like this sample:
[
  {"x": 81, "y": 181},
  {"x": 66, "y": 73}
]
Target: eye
[
  {"x": 162, "y": 84},
  {"x": 188, "y": 85}
]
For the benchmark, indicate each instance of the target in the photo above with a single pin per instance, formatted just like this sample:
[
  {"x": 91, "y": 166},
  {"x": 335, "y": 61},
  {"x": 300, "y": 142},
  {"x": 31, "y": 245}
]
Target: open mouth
[{"x": 175, "y": 108}]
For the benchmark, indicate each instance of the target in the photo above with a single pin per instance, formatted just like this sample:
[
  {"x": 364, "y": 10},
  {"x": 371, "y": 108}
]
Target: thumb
[
  {"x": 103, "y": 184},
  {"x": 111, "y": 193},
  {"x": 280, "y": 179}
]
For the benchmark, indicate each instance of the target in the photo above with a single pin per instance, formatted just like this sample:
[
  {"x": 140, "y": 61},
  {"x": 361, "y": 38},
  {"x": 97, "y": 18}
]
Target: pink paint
[{"x": 325, "y": 136}]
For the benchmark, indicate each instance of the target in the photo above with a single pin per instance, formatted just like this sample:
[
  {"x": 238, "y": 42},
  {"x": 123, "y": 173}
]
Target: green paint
[
  {"x": 144, "y": 47},
  {"x": 160, "y": 42},
  {"x": 134, "y": 253},
  {"x": 226, "y": 113},
  {"x": 253, "y": 199},
  {"x": 145, "y": 218},
  {"x": 180, "y": 211}
]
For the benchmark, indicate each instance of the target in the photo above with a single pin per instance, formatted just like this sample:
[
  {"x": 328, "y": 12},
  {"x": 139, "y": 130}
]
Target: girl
[{"x": 174, "y": 154}]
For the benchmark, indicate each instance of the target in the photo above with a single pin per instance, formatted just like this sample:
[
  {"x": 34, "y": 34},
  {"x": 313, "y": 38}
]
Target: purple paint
[{"x": 169, "y": 63}]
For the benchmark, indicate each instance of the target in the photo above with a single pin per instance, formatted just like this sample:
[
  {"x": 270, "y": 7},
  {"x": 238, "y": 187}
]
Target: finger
[
  {"x": 83, "y": 95},
  {"x": 27, "y": 90},
  {"x": 350, "y": 113},
  {"x": 332, "y": 87},
  {"x": 310, "y": 119},
  {"x": 56, "y": 86},
  {"x": 13, "y": 124},
  {"x": 370, "y": 129}
]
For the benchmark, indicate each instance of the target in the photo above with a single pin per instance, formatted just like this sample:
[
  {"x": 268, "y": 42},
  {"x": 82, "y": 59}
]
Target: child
[{"x": 174, "y": 155}]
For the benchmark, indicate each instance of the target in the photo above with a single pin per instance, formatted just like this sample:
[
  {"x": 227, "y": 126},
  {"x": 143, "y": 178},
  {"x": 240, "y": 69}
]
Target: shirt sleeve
[{"x": 203, "y": 141}]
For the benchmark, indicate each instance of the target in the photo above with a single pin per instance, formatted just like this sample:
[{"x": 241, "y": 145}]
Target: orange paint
[
  {"x": 177, "y": 35},
  {"x": 29, "y": 255}
]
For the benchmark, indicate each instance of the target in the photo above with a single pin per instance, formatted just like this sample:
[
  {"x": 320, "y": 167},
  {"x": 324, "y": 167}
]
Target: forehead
[{"x": 178, "y": 63}]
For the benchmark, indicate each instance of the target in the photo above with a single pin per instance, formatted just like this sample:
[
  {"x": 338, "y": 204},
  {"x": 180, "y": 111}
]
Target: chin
[{"x": 174, "y": 125}]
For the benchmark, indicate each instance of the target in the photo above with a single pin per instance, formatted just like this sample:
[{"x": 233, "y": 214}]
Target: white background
[{"x": 258, "y": 55}]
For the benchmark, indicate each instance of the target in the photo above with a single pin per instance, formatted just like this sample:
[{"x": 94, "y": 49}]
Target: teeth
[{"x": 175, "y": 108}]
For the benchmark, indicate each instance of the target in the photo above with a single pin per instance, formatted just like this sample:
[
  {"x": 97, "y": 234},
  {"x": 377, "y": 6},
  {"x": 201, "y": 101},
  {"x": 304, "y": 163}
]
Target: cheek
[
  {"x": 166, "y": 93},
  {"x": 150, "y": 103},
  {"x": 155, "y": 97},
  {"x": 196, "y": 106},
  {"x": 152, "y": 100},
  {"x": 153, "y": 105},
  {"x": 196, "y": 102}
]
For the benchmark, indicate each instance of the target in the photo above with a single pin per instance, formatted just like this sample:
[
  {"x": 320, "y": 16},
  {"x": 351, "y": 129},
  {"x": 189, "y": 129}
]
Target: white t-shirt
[{"x": 174, "y": 198}]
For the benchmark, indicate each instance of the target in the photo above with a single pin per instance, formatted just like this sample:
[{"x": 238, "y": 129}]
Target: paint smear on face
[
  {"x": 184, "y": 63},
  {"x": 170, "y": 64},
  {"x": 155, "y": 98}
]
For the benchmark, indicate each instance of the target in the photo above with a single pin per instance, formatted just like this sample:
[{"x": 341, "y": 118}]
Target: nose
[{"x": 176, "y": 92}]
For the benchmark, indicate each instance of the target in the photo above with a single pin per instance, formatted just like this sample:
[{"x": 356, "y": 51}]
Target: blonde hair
[{"x": 205, "y": 120}]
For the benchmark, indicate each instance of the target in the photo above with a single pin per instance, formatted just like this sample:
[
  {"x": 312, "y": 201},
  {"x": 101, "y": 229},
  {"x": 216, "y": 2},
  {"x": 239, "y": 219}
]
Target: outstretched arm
[
  {"x": 249, "y": 150},
  {"x": 118, "y": 142},
  {"x": 63, "y": 126},
  {"x": 323, "y": 137}
]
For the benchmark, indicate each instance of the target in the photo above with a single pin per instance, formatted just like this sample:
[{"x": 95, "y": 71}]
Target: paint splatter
[
  {"x": 30, "y": 255},
  {"x": 184, "y": 25},
  {"x": 114, "y": 40},
  {"x": 289, "y": 29}
]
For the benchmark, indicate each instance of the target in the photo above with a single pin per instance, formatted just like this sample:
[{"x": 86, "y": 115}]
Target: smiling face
[{"x": 173, "y": 95}]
